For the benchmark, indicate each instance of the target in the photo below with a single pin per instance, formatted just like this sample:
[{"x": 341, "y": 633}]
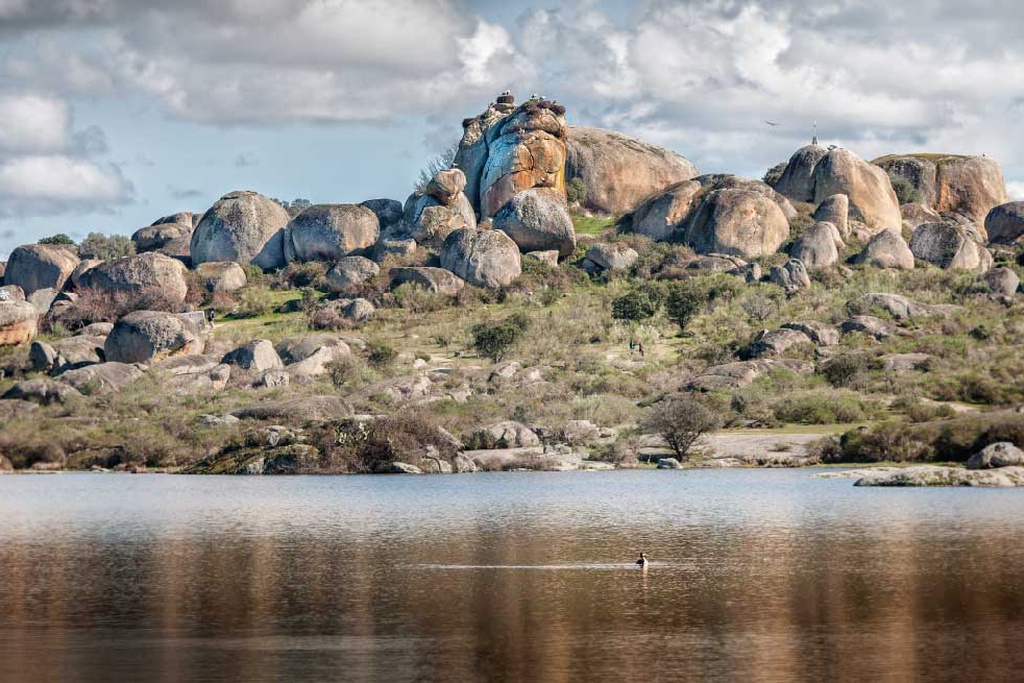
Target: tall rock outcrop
[
  {"x": 244, "y": 227},
  {"x": 438, "y": 210},
  {"x": 967, "y": 185},
  {"x": 797, "y": 181},
  {"x": 618, "y": 171},
  {"x": 868, "y": 189}
]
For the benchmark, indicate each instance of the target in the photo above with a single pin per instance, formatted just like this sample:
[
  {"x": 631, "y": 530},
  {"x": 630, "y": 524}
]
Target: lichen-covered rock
[
  {"x": 483, "y": 258},
  {"x": 394, "y": 247},
  {"x": 933, "y": 475},
  {"x": 743, "y": 373},
  {"x": 149, "y": 336},
  {"x": 914, "y": 214},
  {"x": 387, "y": 211},
  {"x": 429, "y": 222},
  {"x": 791, "y": 276},
  {"x": 40, "y": 266},
  {"x": 156, "y": 236},
  {"x": 258, "y": 355},
  {"x": 328, "y": 232},
  {"x": 446, "y": 185},
  {"x": 19, "y": 322},
  {"x": 835, "y": 209},
  {"x": 820, "y": 333},
  {"x": 477, "y": 134},
  {"x": 297, "y": 410},
  {"x": 816, "y": 248},
  {"x": 41, "y": 391},
  {"x": 150, "y": 275},
  {"x": 774, "y": 343},
  {"x": 222, "y": 276},
  {"x": 527, "y": 150},
  {"x": 431, "y": 279},
  {"x": 78, "y": 351},
  {"x": 102, "y": 378},
  {"x": 1005, "y": 223},
  {"x": 886, "y": 249},
  {"x": 871, "y": 197},
  {"x": 507, "y": 434},
  {"x": 797, "y": 181},
  {"x": 949, "y": 245},
  {"x": 662, "y": 215},
  {"x": 898, "y": 306},
  {"x": 351, "y": 272},
  {"x": 1002, "y": 280},
  {"x": 1001, "y": 454},
  {"x": 737, "y": 221},
  {"x": 867, "y": 324},
  {"x": 83, "y": 267},
  {"x": 968, "y": 185},
  {"x": 244, "y": 227},
  {"x": 619, "y": 257},
  {"x": 618, "y": 171},
  {"x": 538, "y": 220},
  {"x": 548, "y": 257}
]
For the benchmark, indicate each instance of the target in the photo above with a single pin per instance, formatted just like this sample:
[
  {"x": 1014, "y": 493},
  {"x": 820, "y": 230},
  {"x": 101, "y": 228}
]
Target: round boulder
[
  {"x": 328, "y": 232},
  {"x": 538, "y": 220},
  {"x": 431, "y": 279},
  {"x": 387, "y": 211},
  {"x": 949, "y": 245},
  {"x": 143, "y": 277},
  {"x": 816, "y": 247},
  {"x": 887, "y": 249},
  {"x": 258, "y": 355},
  {"x": 149, "y": 336},
  {"x": 797, "y": 181},
  {"x": 1004, "y": 223},
  {"x": 872, "y": 199},
  {"x": 222, "y": 276},
  {"x": 350, "y": 272},
  {"x": 612, "y": 256},
  {"x": 155, "y": 237},
  {"x": 740, "y": 222},
  {"x": 662, "y": 214},
  {"x": 484, "y": 258},
  {"x": 244, "y": 227},
  {"x": 1002, "y": 454},
  {"x": 446, "y": 185},
  {"x": 40, "y": 266},
  {"x": 1002, "y": 281},
  {"x": 835, "y": 210},
  {"x": 19, "y": 321}
]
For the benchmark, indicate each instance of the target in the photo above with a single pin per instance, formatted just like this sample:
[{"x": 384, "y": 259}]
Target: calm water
[{"x": 757, "y": 575}]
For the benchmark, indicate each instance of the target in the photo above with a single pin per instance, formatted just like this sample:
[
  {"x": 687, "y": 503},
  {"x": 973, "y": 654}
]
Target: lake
[{"x": 768, "y": 575}]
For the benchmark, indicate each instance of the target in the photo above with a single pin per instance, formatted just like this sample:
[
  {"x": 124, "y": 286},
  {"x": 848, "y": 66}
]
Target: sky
[{"x": 114, "y": 113}]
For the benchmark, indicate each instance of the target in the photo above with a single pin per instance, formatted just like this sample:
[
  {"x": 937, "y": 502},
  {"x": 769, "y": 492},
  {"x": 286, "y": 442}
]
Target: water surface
[{"x": 756, "y": 575}]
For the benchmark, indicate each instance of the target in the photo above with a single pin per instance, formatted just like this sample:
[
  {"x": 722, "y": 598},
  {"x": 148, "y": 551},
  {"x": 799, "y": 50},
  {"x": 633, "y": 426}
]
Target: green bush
[
  {"x": 774, "y": 174},
  {"x": 576, "y": 191},
  {"x": 681, "y": 421},
  {"x": 684, "y": 301},
  {"x": 494, "y": 340},
  {"x": 843, "y": 371},
  {"x": 380, "y": 354},
  {"x": 906, "y": 193},
  {"x": 59, "y": 238},
  {"x": 820, "y": 409},
  {"x": 309, "y": 274},
  {"x": 254, "y": 302},
  {"x": 419, "y": 299},
  {"x": 99, "y": 246},
  {"x": 637, "y": 304}
]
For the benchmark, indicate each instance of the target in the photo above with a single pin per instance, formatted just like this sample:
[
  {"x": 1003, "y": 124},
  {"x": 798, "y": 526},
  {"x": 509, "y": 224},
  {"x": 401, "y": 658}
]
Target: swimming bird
[{"x": 642, "y": 560}]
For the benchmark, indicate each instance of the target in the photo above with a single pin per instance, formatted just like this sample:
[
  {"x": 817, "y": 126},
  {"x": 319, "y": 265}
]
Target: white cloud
[
  {"x": 1015, "y": 190},
  {"x": 56, "y": 178},
  {"x": 33, "y": 123}
]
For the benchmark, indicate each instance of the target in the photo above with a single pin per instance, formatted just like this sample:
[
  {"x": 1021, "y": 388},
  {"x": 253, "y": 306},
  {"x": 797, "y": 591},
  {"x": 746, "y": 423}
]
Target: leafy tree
[
  {"x": 681, "y": 421},
  {"x": 576, "y": 191},
  {"x": 493, "y": 340},
  {"x": 99, "y": 246},
  {"x": 684, "y": 301},
  {"x": 59, "y": 238},
  {"x": 906, "y": 193},
  {"x": 637, "y": 304}
]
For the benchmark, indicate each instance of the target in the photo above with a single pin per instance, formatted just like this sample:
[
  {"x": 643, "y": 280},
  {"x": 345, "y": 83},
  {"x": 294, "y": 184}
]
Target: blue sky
[{"x": 116, "y": 112}]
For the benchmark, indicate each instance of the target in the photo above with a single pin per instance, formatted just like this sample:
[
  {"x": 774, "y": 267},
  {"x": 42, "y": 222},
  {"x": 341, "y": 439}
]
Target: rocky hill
[{"x": 561, "y": 298}]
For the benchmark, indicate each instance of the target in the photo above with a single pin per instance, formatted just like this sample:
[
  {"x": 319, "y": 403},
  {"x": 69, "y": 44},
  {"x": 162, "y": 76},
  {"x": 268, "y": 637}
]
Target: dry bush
[{"x": 96, "y": 305}]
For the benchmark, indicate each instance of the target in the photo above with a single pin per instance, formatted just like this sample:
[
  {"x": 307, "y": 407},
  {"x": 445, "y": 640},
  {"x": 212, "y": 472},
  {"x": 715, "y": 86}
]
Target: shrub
[
  {"x": 819, "y": 409},
  {"x": 308, "y": 274},
  {"x": 59, "y": 238},
  {"x": 95, "y": 305},
  {"x": 328, "y": 319},
  {"x": 254, "y": 302},
  {"x": 774, "y": 174},
  {"x": 344, "y": 371},
  {"x": 576, "y": 191},
  {"x": 99, "y": 246},
  {"x": 493, "y": 340},
  {"x": 842, "y": 371},
  {"x": 637, "y": 304},
  {"x": 681, "y": 421},
  {"x": 759, "y": 306},
  {"x": 419, "y": 299},
  {"x": 906, "y": 193},
  {"x": 380, "y": 354}
]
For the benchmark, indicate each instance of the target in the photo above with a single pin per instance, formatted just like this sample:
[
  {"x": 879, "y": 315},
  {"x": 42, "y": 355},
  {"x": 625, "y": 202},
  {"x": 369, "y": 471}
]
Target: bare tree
[{"x": 439, "y": 162}]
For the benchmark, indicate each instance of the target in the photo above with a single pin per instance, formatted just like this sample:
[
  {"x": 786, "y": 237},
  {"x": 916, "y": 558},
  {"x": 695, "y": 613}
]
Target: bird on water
[{"x": 642, "y": 560}]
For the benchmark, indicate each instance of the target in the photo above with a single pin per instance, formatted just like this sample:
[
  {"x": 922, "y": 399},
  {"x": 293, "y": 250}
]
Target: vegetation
[
  {"x": 99, "y": 246},
  {"x": 494, "y": 340},
  {"x": 59, "y": 238},
  {"x": 906, "y": 193},
  {"x": 681, "y": 421},
  {"x": 774, "y": 174},
  {"x": 576, "y": 191}
]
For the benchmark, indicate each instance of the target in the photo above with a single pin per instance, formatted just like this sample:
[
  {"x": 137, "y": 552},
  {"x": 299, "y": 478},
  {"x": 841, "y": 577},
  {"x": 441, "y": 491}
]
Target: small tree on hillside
[
  {"x": 681, "y": 421},
  {"x": 59, "y": 238},
  {"x": 684, "y": 301},
  {"x": 99, "y": 246},
  {"x": 493, "y": 340}
]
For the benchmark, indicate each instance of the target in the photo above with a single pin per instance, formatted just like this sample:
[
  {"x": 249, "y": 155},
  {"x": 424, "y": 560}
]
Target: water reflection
[{"x": 754, "y": 576}]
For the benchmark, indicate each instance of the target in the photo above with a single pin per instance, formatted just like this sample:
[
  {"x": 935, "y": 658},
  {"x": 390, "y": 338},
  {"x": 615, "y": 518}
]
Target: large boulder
[
  {"x": 350, "y": 272},
  {"x": 83, "y": 267},
  {"x": 429, "y": 221},
  {"x": 617, "y": 257},
  {"x": 527, "y": 150},
  {"x": 791, "y": 276},
  {"x": 242, "y": 226},
  {"x": 222, "y": 276},
  {"x": 618, "y": 171},
  {"x": 150, "y": 336},
  {"x": 387, "y": 211},
  {"x": 816, "y": 247},
  {"x": 661, "y": 216},
  {"x": 1002, "y": 280},
  {"x": 148, "y": 276},
  {"x": 158, "y": 236},
  {"x": 507, "y": 434},
  {"x": 915, "y": 213},
  {"x": 774, "y": 343},
  {"x": 968, "y": 185},
  {"x": 41, "y": 391},
  {"x": 478, "y": 132},
  {"x": 19, "y": 322},
  {"x": 741, "y": 222},
  {"x": 1005, "y": 223},
  {"x": 871, "y": 197},
  {"x": 297, "y": 410},
  {"x": 835, "y": 210},
  {"x": 446, "y": 185},
  {"x": 484, "y": 258},
  {"x": 1002, "y": 454},
  {"x": 311, "y": 356},
  {"x": 538, "y": 220},
  {"x": 886, "y": 249},
  {"x": 743, "y": 373},
  {"x": 40, "y": 266},
  {"x": 950, "y": 245},
  {"x": 328, "y": 232},
  {"x": 72, "y": 352},
  {"x": 431, "y": 279},
  {"x": 258, "y": 355},
  {"x": 797, "y": 181},
  {"x": 102, "y": 378}
]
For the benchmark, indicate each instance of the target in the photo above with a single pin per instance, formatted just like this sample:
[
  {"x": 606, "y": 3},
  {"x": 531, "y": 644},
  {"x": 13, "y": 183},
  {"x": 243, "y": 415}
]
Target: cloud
[
  {"x": 34, "y": 123},
  {"x": 184, "y": 193}
]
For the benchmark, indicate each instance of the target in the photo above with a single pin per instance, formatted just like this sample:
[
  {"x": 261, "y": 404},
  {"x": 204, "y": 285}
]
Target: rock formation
[
  {"x": 538, "y": 220},
  {"x": 149, "y": 336},
  {"x": 40, "y": 266},
  {"x": 150, "y": 275},
  {"x": 328, "y": 232},
  {"x": 797, "y": 181},
  {"x": 1005, "y": 223},
  {"x": 740, "y": 222},
  {"x": 871, "y": 197},
  {"x": 244, "y": 227},
  {"x": 484, "y": 258},
  {"x": 950, "y": 245},
  {"x": 887, "y": 249},
  {"x": 816, "y": 247}
]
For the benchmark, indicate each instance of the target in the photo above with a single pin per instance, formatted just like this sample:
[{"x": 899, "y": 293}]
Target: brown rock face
[
  {"x": 619, "y": 171},
  {"x": 528, "y": 151},
  {"x": 967, "y": 185},
  {"x": 18, "y": 322},
  {"x": 40, "y": 266},
  {"x": 662, "y": 214},
  {"x": 737, "y": 222},
  {"x": 872, "y": 199}
]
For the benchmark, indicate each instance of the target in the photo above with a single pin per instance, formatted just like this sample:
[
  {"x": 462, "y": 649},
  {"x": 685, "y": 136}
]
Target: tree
[
  {"x": 905, "y": 191},
  {"x": 99, "y": 246},
  {"x": 637, "y": 304},
  {"x": 681, "y": 421},
  {"x": 59, "y": 238},
  {"x": 774, "y": 174},
  {"x": 684, "y": 301},
  {"x": 493, "y": 340},
  {"x": 576, "y": 191},
  {"x": 439, "y": 162}
]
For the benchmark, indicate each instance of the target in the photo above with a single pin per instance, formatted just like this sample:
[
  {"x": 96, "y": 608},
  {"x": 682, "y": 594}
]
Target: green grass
[{"x": 591, "y": 225}]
